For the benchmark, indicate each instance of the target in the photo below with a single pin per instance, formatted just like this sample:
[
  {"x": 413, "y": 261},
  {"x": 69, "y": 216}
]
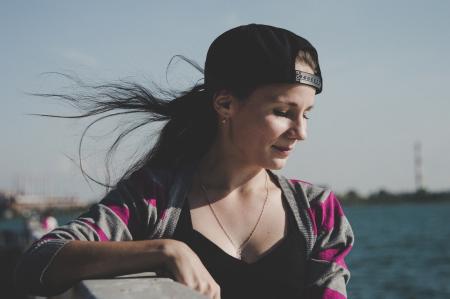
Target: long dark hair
[{"x": 190, "y": 123}]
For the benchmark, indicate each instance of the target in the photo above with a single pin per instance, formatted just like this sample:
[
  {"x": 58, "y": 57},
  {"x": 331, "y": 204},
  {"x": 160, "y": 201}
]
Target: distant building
[{"x": 32, "y": 202}]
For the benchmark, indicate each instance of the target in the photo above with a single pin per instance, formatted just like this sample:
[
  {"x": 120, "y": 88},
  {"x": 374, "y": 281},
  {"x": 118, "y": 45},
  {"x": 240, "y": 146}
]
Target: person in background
[
  {"x": 48, "y": 221},
  {"x": 204, "y": 204},
  {"x": 39, "y": 225}
]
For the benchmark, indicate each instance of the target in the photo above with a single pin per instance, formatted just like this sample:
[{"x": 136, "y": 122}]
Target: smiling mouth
[{"x": 282, "y": 149}]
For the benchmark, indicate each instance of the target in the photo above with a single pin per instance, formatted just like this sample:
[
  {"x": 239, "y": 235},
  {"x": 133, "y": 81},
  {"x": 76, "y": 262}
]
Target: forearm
[{"x": 87, "y": 259}]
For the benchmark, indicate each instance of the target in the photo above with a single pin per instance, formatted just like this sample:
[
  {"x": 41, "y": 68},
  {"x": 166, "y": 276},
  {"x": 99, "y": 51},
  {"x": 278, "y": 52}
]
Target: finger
[
  {"x": 217, "y": 295},
  {"x": 218, "y": 290},
  {"x": 213, "y": 290}
]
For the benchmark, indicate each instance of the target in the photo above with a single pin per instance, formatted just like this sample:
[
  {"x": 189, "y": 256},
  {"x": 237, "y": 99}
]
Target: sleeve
[
  {"x": 124, "y": 214},
  {"x": 328, "y": 273}
]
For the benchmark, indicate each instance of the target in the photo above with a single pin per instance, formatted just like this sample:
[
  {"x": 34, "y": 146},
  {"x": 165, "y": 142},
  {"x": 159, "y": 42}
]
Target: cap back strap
[{"x": 309, "y": 79}]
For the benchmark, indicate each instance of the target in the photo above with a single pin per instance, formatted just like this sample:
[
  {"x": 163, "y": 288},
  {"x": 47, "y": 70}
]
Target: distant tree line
[{"x": 384, "y": 196}]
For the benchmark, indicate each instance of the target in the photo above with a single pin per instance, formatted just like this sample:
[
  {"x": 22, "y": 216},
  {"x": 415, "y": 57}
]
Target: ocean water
[{"x": 402, "y": 251}]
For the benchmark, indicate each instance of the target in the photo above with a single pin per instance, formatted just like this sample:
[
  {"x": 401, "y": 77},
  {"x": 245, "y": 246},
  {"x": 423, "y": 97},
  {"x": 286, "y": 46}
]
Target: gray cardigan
[{"x": 148, "y": 204}]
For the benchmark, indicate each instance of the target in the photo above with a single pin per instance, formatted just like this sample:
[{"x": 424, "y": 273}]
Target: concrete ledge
[{"x": 137, "y": 286}]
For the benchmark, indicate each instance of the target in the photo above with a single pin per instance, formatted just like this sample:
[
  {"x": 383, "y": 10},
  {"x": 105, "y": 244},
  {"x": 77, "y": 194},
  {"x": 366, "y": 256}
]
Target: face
[{"x": 265, "y": 127}]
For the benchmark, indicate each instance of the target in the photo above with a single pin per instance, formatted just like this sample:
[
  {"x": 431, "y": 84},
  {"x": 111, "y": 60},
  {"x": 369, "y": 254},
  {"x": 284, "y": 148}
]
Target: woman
[{"x": 204, "y": 205}]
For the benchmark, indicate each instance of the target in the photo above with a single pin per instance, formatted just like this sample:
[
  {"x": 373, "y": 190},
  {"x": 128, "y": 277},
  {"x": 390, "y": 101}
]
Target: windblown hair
[{"x": 190, "y": 122}]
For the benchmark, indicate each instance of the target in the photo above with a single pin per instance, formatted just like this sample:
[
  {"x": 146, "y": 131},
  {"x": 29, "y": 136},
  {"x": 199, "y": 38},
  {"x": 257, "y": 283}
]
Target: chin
[{"x": 276, "y": 164}]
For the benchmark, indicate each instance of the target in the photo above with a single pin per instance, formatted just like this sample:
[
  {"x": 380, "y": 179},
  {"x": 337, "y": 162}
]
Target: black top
[{"x": 277, "y": 274}]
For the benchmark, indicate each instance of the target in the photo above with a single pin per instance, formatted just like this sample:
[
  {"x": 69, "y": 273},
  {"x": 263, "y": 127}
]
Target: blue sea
[{"x": 402, "y": 251}]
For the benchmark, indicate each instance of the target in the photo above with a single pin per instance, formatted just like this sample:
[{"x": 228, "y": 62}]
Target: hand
[{"x": 186, "y": 268}]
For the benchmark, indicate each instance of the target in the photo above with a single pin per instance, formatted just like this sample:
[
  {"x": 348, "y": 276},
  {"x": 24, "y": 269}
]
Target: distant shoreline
[{"x": 386, "y": 197}]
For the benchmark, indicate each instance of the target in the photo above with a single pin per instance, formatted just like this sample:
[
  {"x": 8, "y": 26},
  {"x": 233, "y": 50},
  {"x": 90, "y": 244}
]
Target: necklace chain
[{"x": 238, "y": 248}]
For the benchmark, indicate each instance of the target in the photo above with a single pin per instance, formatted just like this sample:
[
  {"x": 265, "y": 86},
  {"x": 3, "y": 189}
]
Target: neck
[{"x": 225, "y": 172}]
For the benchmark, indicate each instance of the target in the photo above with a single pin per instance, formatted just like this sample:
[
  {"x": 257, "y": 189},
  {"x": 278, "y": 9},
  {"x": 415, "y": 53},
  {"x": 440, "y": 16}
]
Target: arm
[
  {"x": 126, "y": 216},
  {"x": 327, "y": 271},
  {"x": 88, "y": 260},
  {"x": 122, "y": 215}
]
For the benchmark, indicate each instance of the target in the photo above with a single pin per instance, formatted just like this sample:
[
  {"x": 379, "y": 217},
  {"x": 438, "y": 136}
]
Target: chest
[
  {"x": 252, "y": 276},
  {"x": 245, "y": 230}
]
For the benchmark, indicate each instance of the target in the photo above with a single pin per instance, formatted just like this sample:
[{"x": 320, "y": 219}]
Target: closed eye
[
  {"x": 281, "y": 113},
  {"x": 288, "y": 114}
]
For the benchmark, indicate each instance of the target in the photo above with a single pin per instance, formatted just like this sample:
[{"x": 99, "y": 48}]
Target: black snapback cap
[{"x": 251, "y": 55}]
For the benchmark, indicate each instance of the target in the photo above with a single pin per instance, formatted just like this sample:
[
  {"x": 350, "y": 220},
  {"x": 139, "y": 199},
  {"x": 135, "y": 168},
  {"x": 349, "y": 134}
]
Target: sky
[{"x": 385, "y": 66}]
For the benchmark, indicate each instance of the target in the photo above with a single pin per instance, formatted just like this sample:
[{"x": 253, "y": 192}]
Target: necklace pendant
[{"x": 238, "y": 253}]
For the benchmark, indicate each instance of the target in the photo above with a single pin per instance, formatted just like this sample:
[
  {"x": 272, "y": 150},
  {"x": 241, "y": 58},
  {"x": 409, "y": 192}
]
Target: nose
[{"x": 298, "y": 130}]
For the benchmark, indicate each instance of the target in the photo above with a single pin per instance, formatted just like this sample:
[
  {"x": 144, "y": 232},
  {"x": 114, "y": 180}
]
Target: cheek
[
  {"x": 265, "y": 131},
  {"x": 259, "y": 130},
  {"x": 276, "y": 126}
]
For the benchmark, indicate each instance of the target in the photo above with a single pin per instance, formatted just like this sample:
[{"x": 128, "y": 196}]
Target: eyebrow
[
  {"x": 293, "y": 104},
  {"x": 275, "y": 99}
]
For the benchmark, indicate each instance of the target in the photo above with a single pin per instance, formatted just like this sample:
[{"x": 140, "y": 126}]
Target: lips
[
  {"x": 282, "y": 151},
  {"x": 283, "y": 148}
]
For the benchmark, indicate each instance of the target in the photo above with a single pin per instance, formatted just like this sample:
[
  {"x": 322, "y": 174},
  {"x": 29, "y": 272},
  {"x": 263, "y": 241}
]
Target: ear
[{"x": 224, "y": 102}]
